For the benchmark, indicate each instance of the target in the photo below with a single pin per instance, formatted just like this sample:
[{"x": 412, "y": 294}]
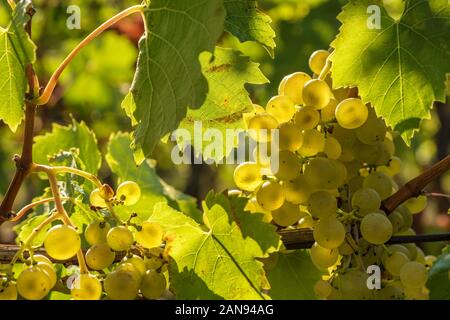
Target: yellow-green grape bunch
[{"x": 334, "y": 166}]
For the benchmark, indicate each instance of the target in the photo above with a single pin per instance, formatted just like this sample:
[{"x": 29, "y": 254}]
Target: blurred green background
[{"x": 92, "y": 89}]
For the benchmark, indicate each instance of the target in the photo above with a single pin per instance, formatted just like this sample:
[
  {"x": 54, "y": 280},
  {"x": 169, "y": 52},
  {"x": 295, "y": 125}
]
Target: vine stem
[
  {"x": 32, "y": 205},
  {"x": 48, "y": 91},
  {"x": 88, "y": 176},
  {"x": 436, "y": 194}
]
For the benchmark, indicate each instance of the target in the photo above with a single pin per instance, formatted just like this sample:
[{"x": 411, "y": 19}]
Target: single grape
[
  {"x": 313, "y": 143},
  {"x": 120, "y": 238},
  {"x": 8, "y": 291},
  {"x": 96, "y": 232},
  {"x": 380, "y": 182},
  {"x": 86, "y": 287},
  {"x": 420, "y": 256},
  {"x": 247, "y": 176},
  {"x": 261, "y": 126},
  {"x": 287, "y": 215},
  {"x": 332, "y": 148},
  {"x": 323, "y": 258},
  {"x": 390, "y": 292},
  {"x": 297, "y": 190},
  {"x": 290, "y": 137},
  {"x": 150, "y": 235},
  {"x": 318, "y": 60},
  {"x": 100, "y": 256},
  {"x": 413, "y": 275},
  {"x": 281, "y": 108},
  {"x": 407, "y": 218},
  {"x": 153, "y": 263},
  {"x": 287, "y": 167},
  {"x": 346, "y": 137},
  {"x": 376, "y": 228},
  {"x": 322, "y": 289},
  {"x": 416, "y": 205},
  {"x": 153, "y": 284},
  {"x": 351, "y": 113},
  {"x": 373, "y": 130},
  {"x": 49, "y": 271},
  {"x": 396, "y": 248},
  {"x": 329, "y": 233},
  {"x": 262, "y": 155},
  {"x": 317, "y": 94},
  {"x": 137, "y": 262},
  {"x": 292, "y": 86},
  {"x": 429, "y": 260},
  {"x": 121, "y": 285},
  {"x": 368, "y": 153},
  {"x": 322, "y": 204},
  {"x": 327, "y": 114},
  {"x": 394, "y": 262},
  {"x": 385, "y": 155},
  {"x": 306, "y": 118},
  {"x": 306, "y": 222},
  {"x": 352, "y": 285},
  {"x": 396, "y": 220},
  {"x": 33, "y": 283},
  {"x": 270, "y": 196},
  {"x": 323, "y": 173},
  {"x": 128, "y": 267},
  {"x": 96, "y": 199},
  {"x": 62, "y": 242},
  {"x": 129, "y": 192},
  {"x": 41, "y": 258},
  {"x": 412, "y": 250},
  {"x": 366, "y": 200}
]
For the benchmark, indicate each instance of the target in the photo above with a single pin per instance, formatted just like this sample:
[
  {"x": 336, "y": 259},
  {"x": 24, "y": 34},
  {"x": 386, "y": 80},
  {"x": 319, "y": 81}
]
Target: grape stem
[
  {"x": 60, "y": 169},
  {"x": 436, "y": 194},
  {"x": 48, "y": 91},
  {"x": 32, "y": 205}
]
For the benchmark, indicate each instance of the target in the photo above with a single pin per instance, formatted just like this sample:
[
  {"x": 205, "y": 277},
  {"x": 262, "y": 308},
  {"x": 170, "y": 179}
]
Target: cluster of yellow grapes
[
  {"x": 336, "y": 165},
  {"x": 139, "y": 272}
]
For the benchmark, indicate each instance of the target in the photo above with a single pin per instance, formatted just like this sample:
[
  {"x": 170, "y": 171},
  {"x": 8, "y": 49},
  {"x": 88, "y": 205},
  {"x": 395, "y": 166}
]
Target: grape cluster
[
  {"x": 336, "y": 165},
  {"x": 139, "y": 273}
]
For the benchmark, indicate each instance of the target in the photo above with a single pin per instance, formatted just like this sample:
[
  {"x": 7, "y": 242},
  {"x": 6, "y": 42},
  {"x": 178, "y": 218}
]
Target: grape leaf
[
  {"x": 16, "y": 52},
  {"x": 201, "y": 257},
  {"x": 168, "y": 77},
  {"x": 153, "y": 189},
  {"x": 245, "y": 21},
  {"x": 399, "y": 68},
  {"x": 293, "y": 277},
  {"x": 227, "y": 72},
  {"x": 64, "y": 138},
  {"x": 26, "y": 227},
  {"x": 438, "y": 277}
]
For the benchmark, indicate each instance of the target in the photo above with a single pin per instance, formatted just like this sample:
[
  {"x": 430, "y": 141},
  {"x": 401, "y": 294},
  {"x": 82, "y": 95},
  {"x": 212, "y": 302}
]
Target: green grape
[
  {"x": 394, "y": 262},
  {"x": 262, "y": 155},
  {"x": 396, "y": 248},
  {"x": 290, "y": 137},
  {"x": 292, "y": 86},
  {"x": 368, "y": 153},
  {"x": 380, "y": 182},
  {"x": 346, "y": 137},
  {"x": 121, "y": 285},
  {"x": 412, "y": 250},
  {"x": 289, "y": 166},
  {"x": 152, "y": 263},
  {"x": 416, "y": 205},
  {"x": 96, "y": 199},
  {"x": 33, "y": 283},
  {"x": 128, "y": 267},
  {"x": 261, "y": 126},
  {"x": 407, "y": 232},
  {"x": 323, "y": 173},
  {"x": 317, "y": 94},
  {"x": 413, "y": 275},
  {"x": 347, "y": 155},
  {"x": 352, "y": 285},
  {"x": 297, "y": 190},
  {"x": 120, "y": 238},
  {"x": 420, "y": 256},
  {"x": 323, "y": 258},
  {"x": 351, "y": 113},
  {"x": 341, "y": 172},
  {"x": 86, "y": 287},
  {"x": 385, "y": 155},
  {"x": 62, "y": 242},
  {"x": 287, "y": 215},
  {"x": 366, "y": 200},
  {"x": 407, "y": 218},
  {"x": 329, "y": 233},
  {"x": 318, "y": 60},
  {"x": 150, "y": 235},
  {"x": 322, "y": 289},
  {"x": 373, "y": 130},
  {"x": 327, "y": 113},
  {"x": 129, "y": 192},
  {"x": 395, "y": 165},
  {"x": 376, "y": 228},
  {"x": 429, "y": 260},
  {"x": 313, "y": 143},
  {"x": 100, "y": 256},
  {"x": 270, "y": 196},
  {"x": 332, "y": 148},
  {"x": 281, "y": 108},
  {"x": 153, "y": 284},
  {"x": 49, "y": 271},
  {"x": 322, "y": 204},
  {"x": 96, "y": 232},
  {"x": 396, "y": 220},
  {"x": 394, "y": 8},
  {"x": 254, "y": 207},
  {"x": 8, "y": 291},
  {"x": 390, "y": 292},
  {"x": 345, "y": 249},
  {"x": 41, "y": 258},
  {"x": 247, "y": 176},
  {"x": 137, "y": 262},
  {"x": 354, "y": 184},
  {"x": 353, "y": 168},
  {"x": 306, "y": 222},
  {"x": 306, "y": 118}
]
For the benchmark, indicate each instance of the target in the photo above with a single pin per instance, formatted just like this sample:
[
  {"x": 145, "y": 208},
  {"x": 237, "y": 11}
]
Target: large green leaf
[
  {"x": 168, "y": 77},
  {"x": 399, "y": 68},
  {"x": 439, "y": 277},
  {"x": 64, "y": 138},
  {"x": 154, "y": 190},
  {"x": 227, "y": 73},
  {"x": 16, "y": 52},
  {"x": 202, "y": 257},
  {"x": 293, "y": 277},
  {"x": 245, "y": 21}
]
